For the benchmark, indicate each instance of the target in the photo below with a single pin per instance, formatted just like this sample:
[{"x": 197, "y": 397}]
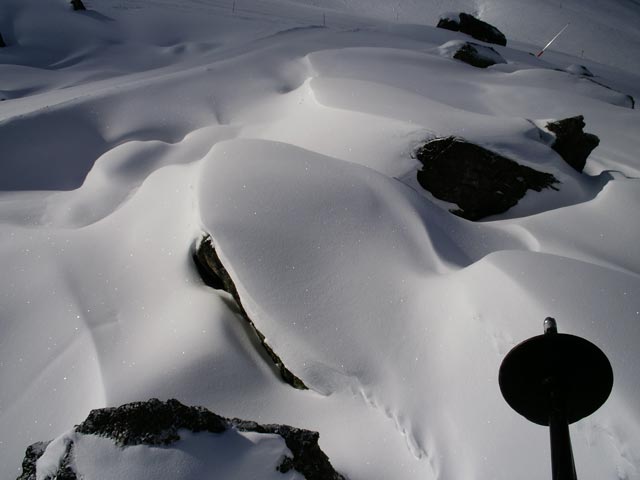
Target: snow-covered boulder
[
  {"x": 465, "y": 23},
  {"x": 572, "y": 143},
  {"x": 471, "y": 53},
  {"x": 577, "y": 69},
  {"x": 154, "y": 439},
  {"x": 479, "y": 181}
]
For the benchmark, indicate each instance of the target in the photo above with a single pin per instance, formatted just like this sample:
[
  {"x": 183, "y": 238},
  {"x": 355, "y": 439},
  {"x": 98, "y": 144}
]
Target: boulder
[
  {"x": 150, "y": 423},
  {"x": 465, "y": 23},
  {"x": 77, "y": 5},
  {"x": 215, "y": 275},
  {"x": 159, "y": 423},
  {"x": 479, "y": 181},
  {"x": 478, "y": 55},
  {"x": 572, "y": 143}
]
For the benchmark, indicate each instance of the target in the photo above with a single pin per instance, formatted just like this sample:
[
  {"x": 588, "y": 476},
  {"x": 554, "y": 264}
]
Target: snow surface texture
[
  {"x": 285, "y": 130},
  {"x": 231, "y": 455}
]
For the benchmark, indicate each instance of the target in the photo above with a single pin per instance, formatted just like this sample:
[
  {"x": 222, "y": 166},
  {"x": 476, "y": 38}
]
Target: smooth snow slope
[
  {"x": 129, "y": 130},
  {"x": 601, "y": 31}
]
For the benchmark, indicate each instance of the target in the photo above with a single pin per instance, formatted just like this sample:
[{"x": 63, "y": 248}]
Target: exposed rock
[
  {"x": 31, "y": 456},
  {"x": 465, "y": 23},
  {"x": 479, "y": 181},
  {"x": 2, "y": 44},
  {"x": 478, "y": 55},
  {"x": 308, "y": 457},
  {"x": 34, "y": 452},
  {"x": 215, "y": 275},
  {"x": 77, "y": 5},
  {"x": 66, "y": 470},
  {"x": 150, "y": 423},
  {"x": 572, "y": 143},
  {"x": 157, "y": 423}
]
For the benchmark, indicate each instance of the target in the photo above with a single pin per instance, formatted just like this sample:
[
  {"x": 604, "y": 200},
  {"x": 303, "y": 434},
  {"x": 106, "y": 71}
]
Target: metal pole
[
  {"x": 556, "y": 379},
  {"x": 562, "y": 463},
  {"x": 552, "y": 40}
]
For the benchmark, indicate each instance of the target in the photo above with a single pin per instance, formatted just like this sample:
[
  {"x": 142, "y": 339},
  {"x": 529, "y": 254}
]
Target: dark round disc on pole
[{"x": 566, "y": 366}]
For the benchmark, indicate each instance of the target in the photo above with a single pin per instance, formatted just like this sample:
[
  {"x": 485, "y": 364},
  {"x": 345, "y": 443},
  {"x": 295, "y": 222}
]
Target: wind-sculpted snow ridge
[
  {"x": 369, "y": 282},
  {"x": 131, "y": 128}
]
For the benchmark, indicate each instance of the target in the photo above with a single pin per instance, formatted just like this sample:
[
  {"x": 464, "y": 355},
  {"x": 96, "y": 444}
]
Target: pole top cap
[{"x": 550, "y": 325}]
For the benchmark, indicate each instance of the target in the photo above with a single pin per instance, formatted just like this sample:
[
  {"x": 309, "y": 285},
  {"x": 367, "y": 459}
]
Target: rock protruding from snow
[
  {"x": 77, "y": 5},
  {"x": 214, "y": 274},
  {"x": 479, "y": 181},
  {"x": 470, "y": 25},
  {"x": 572, "y": 143},
  {"x": 62, "y": 467},
  {"x": 31, "y": 456},
  {"x": 155, "y": 423},
  {"x": 150, "y": 423},
  {"x": 478, "y": 55},
  {"x": 308, "y": 457}
]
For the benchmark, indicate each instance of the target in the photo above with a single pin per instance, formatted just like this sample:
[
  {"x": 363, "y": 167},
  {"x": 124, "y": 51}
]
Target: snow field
[{"x": 292, "y": 147}]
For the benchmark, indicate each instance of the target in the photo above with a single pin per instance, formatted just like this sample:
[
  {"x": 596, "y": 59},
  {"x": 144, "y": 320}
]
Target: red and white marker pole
[{"x": 539, "y": 54}]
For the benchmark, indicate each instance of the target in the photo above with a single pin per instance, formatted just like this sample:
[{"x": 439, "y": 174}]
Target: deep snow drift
[{"x": 286, "y": 131}]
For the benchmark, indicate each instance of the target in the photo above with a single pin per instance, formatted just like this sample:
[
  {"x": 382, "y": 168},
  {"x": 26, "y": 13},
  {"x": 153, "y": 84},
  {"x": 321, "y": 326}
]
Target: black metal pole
[
  {"x": 562, "y": 463},
  {"x": 556, "y": 379}
]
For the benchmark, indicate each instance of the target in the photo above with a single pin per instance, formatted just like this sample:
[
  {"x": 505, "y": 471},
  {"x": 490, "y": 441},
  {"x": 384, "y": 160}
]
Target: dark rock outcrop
[
  {"x": 35, "y": 451},
  {"x": 478, "y": 55},
  {"x": 308, "y": 457},
  {"x": 157, "y": 423},
  {"x": 470, "y": 25},
  {"x": 215, "y": 275},
  {"x": 2, "y": 44},
  {"x": 572, "y": 143},
  {"x": 150, "y": 423},
  {"x": 77, "y": 5},
  {"x": 31, "y": 456},
  {"x": 479, "y": 181}
]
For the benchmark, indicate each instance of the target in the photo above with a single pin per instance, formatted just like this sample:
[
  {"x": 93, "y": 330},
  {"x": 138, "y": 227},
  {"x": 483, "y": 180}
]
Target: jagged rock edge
[
  {"x": 121, "y": 424},
  {"x": 549, "y": 179},
  {"x": 33, "y": 454},
  {"x": 214, "y": 273},
  {"x": 571, "y": 142}
]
